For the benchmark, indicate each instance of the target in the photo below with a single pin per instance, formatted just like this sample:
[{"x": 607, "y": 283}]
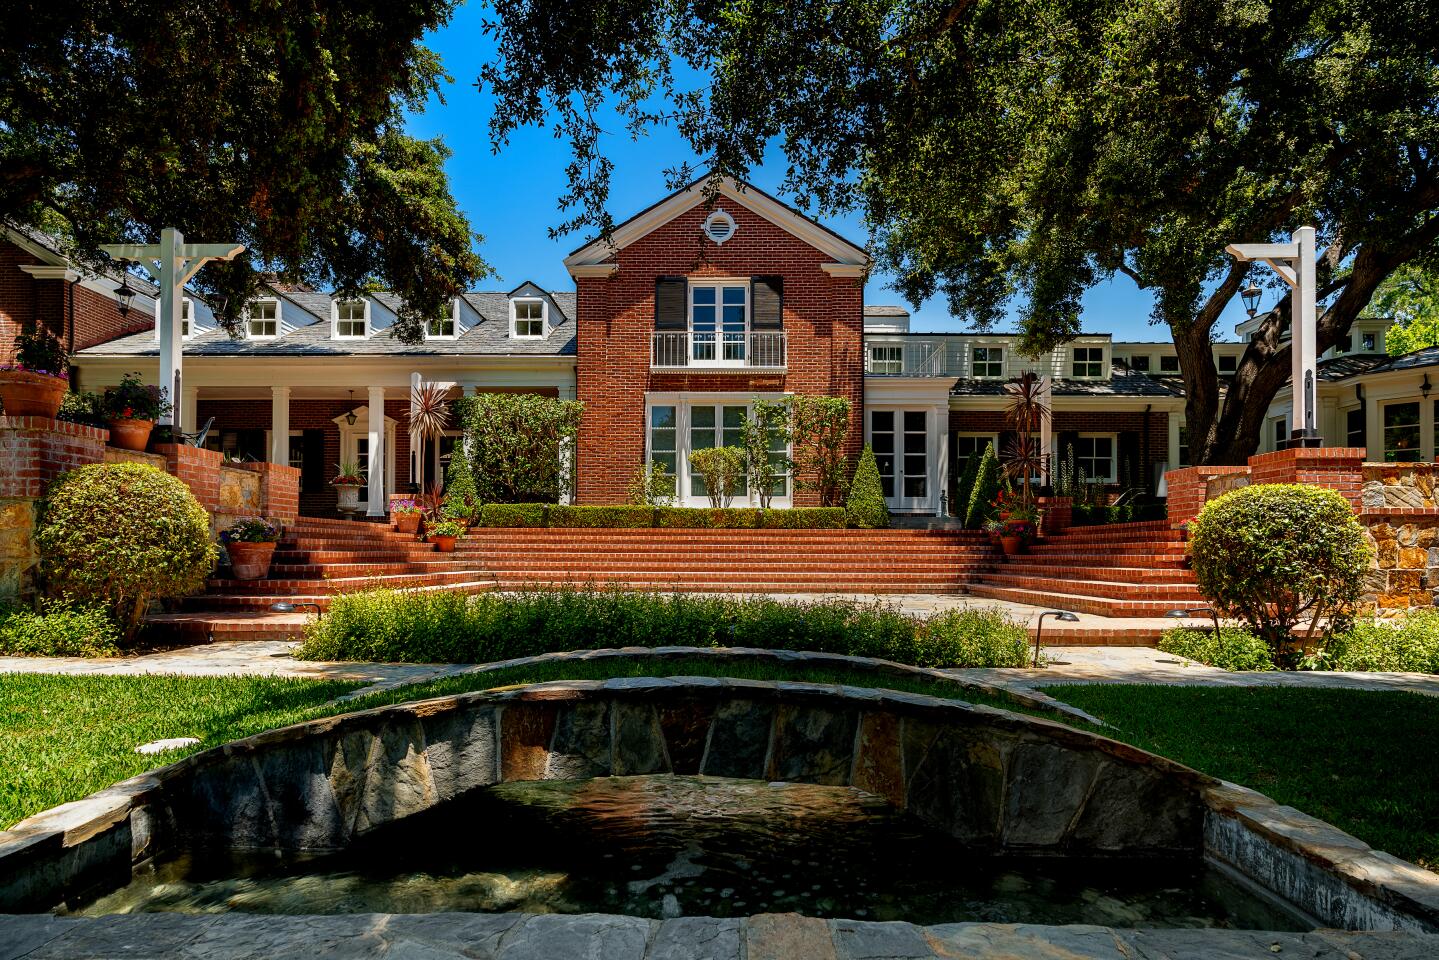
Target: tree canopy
[
  {"x": 1016, "y": 152},
  {"x": 1410, "y": 297},
  {"x": 276, "y": 125}
]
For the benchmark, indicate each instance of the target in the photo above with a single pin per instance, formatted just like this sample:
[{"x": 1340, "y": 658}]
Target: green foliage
[
  {"x": 444, "y": 528},
  {"x": 1131, "y": 511},
  {"x": 1410, "y": 297},
  {"x": 284, "y": 131},
  {"x": 960, "y": 506},
  {"x": 38, "y": 350},
  {"x": 61, "y": 630},
  {"x": 134, "y": 399},
  {"x": 1235, "y": 649},
  {"x": 1272, "y": 553},
  {"x": 84, "y": 408},
  {"x": 460, "y": 493},
  {"x": 820, "y": 430},
  {"x": 765, "y": 437},
  {"x": 1407, "y": 644},
  {"x": 987, "y": 484},
  {"x": 120, "y": 535},
  {"x": 722, "y": 470},
  {"x": 865, "y": 506},
  {"x": 651, "y": 486},
  {"x": 678, "y": 518},
  {"x": 977, "y": 637},
  {"x": 448, "y": 627},
  {"x": 520, "y": 445}
]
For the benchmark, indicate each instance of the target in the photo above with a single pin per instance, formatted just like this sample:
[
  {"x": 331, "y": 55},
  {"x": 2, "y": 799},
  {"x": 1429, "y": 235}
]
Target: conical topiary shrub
[{"x": 865, "y": 506}]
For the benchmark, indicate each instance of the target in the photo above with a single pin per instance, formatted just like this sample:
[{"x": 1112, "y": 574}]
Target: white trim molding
[{"x": 49, "y": 272}]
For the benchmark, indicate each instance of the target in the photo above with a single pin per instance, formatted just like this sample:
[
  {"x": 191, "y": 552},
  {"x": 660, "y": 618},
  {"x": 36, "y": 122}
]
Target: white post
[
  {"x": 1046, "y": 424},
  {"x": 1174, "y": 425},
  {"x": 417, "y": 446},
  {"x": 1304, "y": 332},
  {"x": 376, "y": 483},
  {"x": 280, "y": 425},
  {"x": 567, "y": 452},
  {"x": 171, "y": 353}
]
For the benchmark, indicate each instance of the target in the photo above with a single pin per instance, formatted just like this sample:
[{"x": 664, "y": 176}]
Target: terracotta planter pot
[
  {"x": 1012, "y": 545},
  {"x": 407, "y": 522},
  {"x": 250, "y": 561},
  {"x": 27, "y": 394},
  {"x": 443, "y": 544},
  {"x": 130, "y": 434}
]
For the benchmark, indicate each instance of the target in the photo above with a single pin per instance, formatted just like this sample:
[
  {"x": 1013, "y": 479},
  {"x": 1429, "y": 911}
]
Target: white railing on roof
[
  {"x": 717, "y": 350},
  {"x": 921, "y": 358}
]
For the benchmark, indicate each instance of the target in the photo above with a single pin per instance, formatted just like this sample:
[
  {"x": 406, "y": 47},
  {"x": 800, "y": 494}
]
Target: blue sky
[{"x": 511, "y": 197}]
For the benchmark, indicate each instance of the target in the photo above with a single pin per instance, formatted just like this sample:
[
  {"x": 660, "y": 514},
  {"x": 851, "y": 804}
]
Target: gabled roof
[
  {"x": 1344, "y": 367},
  {"x": 750, "y": 197}
]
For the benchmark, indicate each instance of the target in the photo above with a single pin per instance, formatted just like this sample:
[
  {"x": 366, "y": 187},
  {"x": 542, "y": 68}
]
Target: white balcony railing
[
  {"x": 913, "y": 359},
  {"x": 686, "y": 350}
]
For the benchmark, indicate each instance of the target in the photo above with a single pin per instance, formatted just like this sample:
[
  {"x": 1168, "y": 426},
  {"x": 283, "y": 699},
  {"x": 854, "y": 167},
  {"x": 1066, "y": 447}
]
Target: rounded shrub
[
  {"x": 1235, "y": 648},
  {"x": 1272, "y": 554},
  {"x": 120, "y": 535},
  {"x": 865, "y": 506}
]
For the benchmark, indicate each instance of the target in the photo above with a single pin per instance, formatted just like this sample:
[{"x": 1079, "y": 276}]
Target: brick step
[
  {"x": 1108, "y": 550},
  {"x": 216, "y": 602},
  {"x": 339, "y": 584},
  {"x": 1095, "y": 572},
  {"x": 510, "y": 580},
  {"x": 377, "y": 532},
  {"x": 420, "y": 554},
  {"x": 1145, "y": 527},
  {"x": 649, "y": 535},
  {"x": 1103, "y": 542},
  {"x": 1179, "y": 593},
  {"x": 627, "y": 552},
  {"x": 1099, "y": 559},
  {"x": 751, "y": 567},
  {"x": 312, "y": 571},
  {"x": 1075, "y": 603},
  {"x": 395, "y": 547}
]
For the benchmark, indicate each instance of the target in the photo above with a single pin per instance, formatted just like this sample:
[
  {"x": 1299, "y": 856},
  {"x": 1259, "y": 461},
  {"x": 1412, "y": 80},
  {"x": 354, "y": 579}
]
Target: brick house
[{"x": 678, "y": 320}]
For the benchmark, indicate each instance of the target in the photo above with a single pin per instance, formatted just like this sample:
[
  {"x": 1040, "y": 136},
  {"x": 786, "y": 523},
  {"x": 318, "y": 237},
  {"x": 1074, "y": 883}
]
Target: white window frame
[
  {"x": 933, "y": 450},
  {"x": 335, "y": 319},
  {"x": 872, "y": 365},
  {"x": 683, "y": 404},
  {"x": 454, "y": 320},
  {"x": 515, "y": 320},
  {"x": 1113, "y": 475},
  {"x": 1418, "y": 426},
  {"x": 1166, "y": 360},
  {"x": 1219, "y": 362},
  {"x": 1135, "y": 358},
  {"x": 719, "y": 285},
  {"x": 250, "y": 320},
  {"x": 974, "y": 362},
  {"x": 1074, "y": 362}
]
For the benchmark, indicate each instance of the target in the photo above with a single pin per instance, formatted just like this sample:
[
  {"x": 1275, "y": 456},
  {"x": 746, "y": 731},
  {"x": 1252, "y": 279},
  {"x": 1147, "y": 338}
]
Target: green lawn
[{"x": 1367, "y": 762}]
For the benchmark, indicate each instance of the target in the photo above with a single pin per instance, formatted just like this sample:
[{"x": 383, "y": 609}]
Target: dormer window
[
  {"x": 352, "y": 319},
  {"x": 1369, "y": 340},
  {"x": 527, "y": 319},
  {"x": 264, "y": 322},
  {"x": 988, "y": 363},
  {"x": 1169, "y": 364},
  {"x": 1088, "y": 363},
  {"x": 1228, "y": 363},
  {"x": 441, "y": 327}
]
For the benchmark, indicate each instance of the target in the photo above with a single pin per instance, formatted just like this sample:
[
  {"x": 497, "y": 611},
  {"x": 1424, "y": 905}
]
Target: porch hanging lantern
[
  {"x": 350, "y": 417},
  {"x": 1250, "y": 295},
  {"x": 125, "y": 293}
]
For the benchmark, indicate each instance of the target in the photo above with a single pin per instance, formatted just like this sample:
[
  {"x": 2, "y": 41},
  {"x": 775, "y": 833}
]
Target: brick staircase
[
  {"x": 733, "y": 561},
  {"x": 1119, "y": 570}
]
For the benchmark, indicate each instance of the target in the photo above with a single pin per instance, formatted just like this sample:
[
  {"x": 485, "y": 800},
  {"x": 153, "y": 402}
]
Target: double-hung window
[
  {"x": 264, "y": 319},
  {"x": 1094, "y": 454},
  {"x": 529, "y": 319},
  {"x": 717, "y": 425},
  {"x": 442, "y": 327},
  {"x": 719, "y": 321},
  {"x": 987, "y": 363},
  {"x": 886, "y": 360},
  {"x": 1088, "y": 363},
  {"x": 350, "y": 320},
  {"x": 1401, "y": 432},
  {"x": 664, "y": 443}
]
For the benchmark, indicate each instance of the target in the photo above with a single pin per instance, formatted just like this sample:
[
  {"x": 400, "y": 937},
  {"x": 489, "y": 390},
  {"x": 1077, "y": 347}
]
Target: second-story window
[
  {"x": 719, "y": 316},
  {"x": 1169, "y": 364},
  {"x": 1369, "y": 340},
  {"x": 1088, "y": 363},
  {"x": 1228, "y": 363},
  {"x": 442, "y": 327},
  {"x": 988, "y": 362},
  {"x": 886, "y": 360},
  {"x": 264, "y": 319},
  {"x": 529, "y": 319},
  {"x": 350, "y": 319},
  {"x": 1139, "y": 363}
]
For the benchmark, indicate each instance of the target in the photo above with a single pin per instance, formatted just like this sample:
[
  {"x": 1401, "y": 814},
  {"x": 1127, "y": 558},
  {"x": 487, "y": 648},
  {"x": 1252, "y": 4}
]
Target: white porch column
[
  {"x": 378, "y": 454},
  {"x": 416, "y": 447},
  {"x": 567, "y": 451},
  {"x": 1046, "y": 427},
  {"x": 279, "y": 425},
  {"x": 190, "y": 408},
  {"x": 1175, "y": 421},
  {"x": 942, "y": 506}
]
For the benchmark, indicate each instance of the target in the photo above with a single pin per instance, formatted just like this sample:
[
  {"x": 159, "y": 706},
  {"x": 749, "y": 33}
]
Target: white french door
[{"x": 901, "y": 442}]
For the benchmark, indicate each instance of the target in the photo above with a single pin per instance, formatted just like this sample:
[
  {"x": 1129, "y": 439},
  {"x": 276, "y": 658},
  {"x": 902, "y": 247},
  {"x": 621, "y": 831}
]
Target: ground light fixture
[
  {"x": 1064, "y": 616},
  {"x": 288, "y": 606},
  {"x": 1191, "y": 611}
]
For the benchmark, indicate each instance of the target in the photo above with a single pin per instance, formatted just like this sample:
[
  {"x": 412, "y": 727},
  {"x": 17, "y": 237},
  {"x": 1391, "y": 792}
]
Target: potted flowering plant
[
  {"x": 443, "y": 534},
  {"x": 35, "y": 384},
  {"x": 407, "y": 515},
  {"x": 1019, "y": 528},
  {"x": 250, "y": 542},
  {"x": 347, "y": 484},
  {"x": 131, "y": 410},
  {"x": 995, "y": 528}
]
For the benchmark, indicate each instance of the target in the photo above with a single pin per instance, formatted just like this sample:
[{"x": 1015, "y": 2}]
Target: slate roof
[
  {"x": 1342, "y": 368},
  {"x": 311, "y": 337},
  {"x": 1120, "y": 384}
]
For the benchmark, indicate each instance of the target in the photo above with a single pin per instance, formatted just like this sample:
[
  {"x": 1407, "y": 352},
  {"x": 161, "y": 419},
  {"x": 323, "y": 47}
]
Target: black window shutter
[
  {"x": 312, "y": 470},
  {"x": 671, "y": 303},
  {"x": 766, "y": 310}
]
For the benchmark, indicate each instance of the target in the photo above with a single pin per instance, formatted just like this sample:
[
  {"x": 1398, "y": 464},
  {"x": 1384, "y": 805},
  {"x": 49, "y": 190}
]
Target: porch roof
[{"x": 1121, "y": 383}]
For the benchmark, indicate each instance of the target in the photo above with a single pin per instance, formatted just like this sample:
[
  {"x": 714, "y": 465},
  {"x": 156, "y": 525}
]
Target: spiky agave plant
[{"x": 429, "y": 416}]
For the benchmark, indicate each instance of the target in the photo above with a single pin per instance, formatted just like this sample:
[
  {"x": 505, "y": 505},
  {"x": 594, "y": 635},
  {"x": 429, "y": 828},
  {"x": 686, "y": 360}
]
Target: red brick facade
[
  {"x": 1141, "y": 444},
  {"x": 81, "y": 317},
  {"x": 823, "y": 325}
]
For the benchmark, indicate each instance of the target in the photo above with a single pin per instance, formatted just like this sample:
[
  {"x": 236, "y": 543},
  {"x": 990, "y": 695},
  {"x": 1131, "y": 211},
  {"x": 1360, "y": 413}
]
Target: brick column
[
  {"x": 198, "y": 467},
  {"x": 1338, "y": 468},
  {"x": 1188, "y": 490}
]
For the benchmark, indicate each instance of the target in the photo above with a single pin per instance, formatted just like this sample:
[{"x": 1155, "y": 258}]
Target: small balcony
[
  {"x": 920, "y": 358},
  {"x": 718, "y": 351}
]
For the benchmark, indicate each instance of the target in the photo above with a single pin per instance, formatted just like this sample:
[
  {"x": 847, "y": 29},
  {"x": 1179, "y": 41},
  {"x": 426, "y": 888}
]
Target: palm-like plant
[
  {"x": 1026, "y": 414},
  {"x": 429, "y": 416}
]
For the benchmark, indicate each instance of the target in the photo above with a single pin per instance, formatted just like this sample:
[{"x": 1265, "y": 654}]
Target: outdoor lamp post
[
  {"x": 1294, "y": 261},
  {"x": 178, "y": 262},
  {"x": 1064, "y": 616}
]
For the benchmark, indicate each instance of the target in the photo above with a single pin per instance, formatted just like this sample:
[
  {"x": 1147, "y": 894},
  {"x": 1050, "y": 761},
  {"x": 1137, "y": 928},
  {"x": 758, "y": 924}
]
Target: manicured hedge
[
  {"x": 687, "y": 518},
  {"x": 449, "y": 627}
]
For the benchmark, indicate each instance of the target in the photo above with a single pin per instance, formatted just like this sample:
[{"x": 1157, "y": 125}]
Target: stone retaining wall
[{"x": 997, "y": 782}]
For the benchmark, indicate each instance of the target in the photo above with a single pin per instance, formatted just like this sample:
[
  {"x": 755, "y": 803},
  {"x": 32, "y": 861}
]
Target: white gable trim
[{"x": 751, "y": 199}]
